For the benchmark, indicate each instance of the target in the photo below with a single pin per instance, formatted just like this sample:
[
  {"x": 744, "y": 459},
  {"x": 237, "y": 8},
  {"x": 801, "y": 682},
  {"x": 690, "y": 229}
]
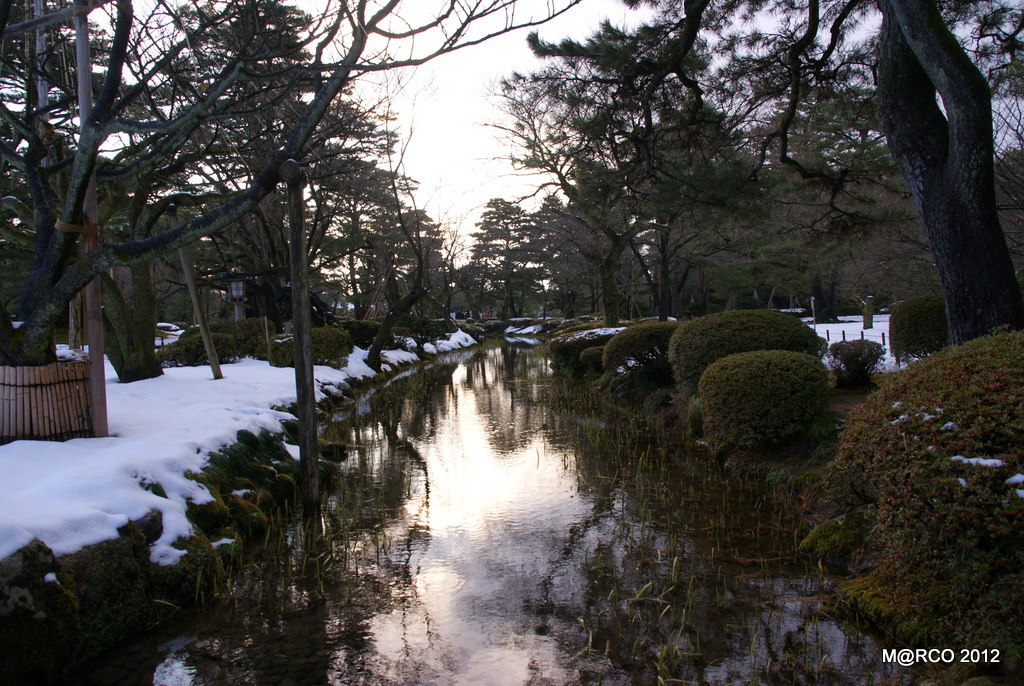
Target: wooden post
[
  {"x": 309, "y": 474},
  {"x": 93, "y": 304},
  {"x": 193, "y": 292}
]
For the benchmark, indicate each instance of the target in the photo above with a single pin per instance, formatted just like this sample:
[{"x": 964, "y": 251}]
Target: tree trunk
[
  {"x": 947, "y": 160},
  {"x": 129, "y": 318},
  {"x": 404, "y": 305},
  {"x": 826, "y": 297}
]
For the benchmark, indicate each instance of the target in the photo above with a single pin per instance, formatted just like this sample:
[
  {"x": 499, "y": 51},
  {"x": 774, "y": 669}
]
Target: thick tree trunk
[
  {"x": 129, "y": 317},
  {"x": 404, "y": 305},
  {"x": 947, "y": 160},
  {"x": 609, "y": 290}
]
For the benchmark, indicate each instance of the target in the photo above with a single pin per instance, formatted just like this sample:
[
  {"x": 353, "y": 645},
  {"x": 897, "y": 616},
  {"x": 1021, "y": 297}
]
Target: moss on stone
[
  {"x": 188, "y": 581},
  {"x": 838, "y": 541},
  {"x": 112, "y": 579},
  {"x": 40, "y": 625},
  {"x": 246, "y": 517},
  {"x": 209, "y": 516}
]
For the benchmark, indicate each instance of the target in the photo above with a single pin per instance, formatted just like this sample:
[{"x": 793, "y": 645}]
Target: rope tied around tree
[
  {"x": 82, "y": 8},
  {"x": 87, "y": 229}
]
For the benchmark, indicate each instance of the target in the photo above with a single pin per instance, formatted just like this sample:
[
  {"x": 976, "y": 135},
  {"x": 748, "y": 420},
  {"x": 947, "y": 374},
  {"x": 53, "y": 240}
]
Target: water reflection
[{"x": 495, "y": 526}]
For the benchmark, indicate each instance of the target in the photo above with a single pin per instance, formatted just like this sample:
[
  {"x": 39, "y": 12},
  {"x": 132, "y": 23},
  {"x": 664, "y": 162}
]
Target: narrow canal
[{"x": 495, "y": 525}]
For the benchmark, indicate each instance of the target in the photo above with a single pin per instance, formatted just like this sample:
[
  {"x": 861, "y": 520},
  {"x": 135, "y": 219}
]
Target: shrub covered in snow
[
  {"x": 853, "y": 362},
  {"x": 189, "y": 351},
  {"x": 917, "y": 327},
  {"x": 566, "y": 348},
  {"x": 762, "y": 397},
  {"x": 699, "y": 342},
  {"x": 331, "y": 347},
  {"x": 579, "y": 324},
  {"x": 938, "y": 456},
  {"x": 641, "y": 351}
]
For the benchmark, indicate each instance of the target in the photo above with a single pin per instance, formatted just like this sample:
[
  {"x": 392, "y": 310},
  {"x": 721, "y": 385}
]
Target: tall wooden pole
[
  {"x": 93, "y": 303},
  {"x": 309, "y": 473},
  {"x": 193, "y": 292}
]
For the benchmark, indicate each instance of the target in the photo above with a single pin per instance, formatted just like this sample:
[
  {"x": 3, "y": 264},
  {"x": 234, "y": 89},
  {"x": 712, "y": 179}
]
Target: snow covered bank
[{"x": 77, "y": 493}]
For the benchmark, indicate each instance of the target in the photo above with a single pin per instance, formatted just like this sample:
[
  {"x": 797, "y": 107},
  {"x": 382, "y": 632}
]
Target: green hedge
[
  {"x": 331, "y": 347},
  {"x": 938, "y": 455},
  {"x": 189, "y": 351},
  {"x": 591, "y": 359},
  {"x": 762, "y": 397},
  {"x": 917, "y": 327},
  {"x": 565, "y": 349},
  {"x": 250, "y": 335},
  {"x": 853, "y": 362},
  {"x": 641, "y": 351},
  {"x": 699, "y": 342},
  {"x": 362, "y": 331}
]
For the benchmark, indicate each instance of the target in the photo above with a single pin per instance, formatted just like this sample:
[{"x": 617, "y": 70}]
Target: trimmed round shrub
[
  {"x": 251, "y": 336},
  {"x": 938, "y": 455},
  {"x": 917, "y": 327},
  {"x": 362, "y": 331},
  {"x": 331, "y": 347},
  {"x": 565, "y": 349},
  {"x": 590, "y": 359},
  {"x": 641, "y": 351},
  {"x": 699, "y": 342},
  {"x": 853, "y": 362},
  {"x": 579, "y": 324},
  {"x": 762, "y": 397},
  {"x": 189, "y": 351},
  {"x": 423, "y": 330}
]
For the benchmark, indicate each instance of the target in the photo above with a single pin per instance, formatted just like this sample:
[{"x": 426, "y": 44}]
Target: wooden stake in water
[{"x": 309, "y": 475}]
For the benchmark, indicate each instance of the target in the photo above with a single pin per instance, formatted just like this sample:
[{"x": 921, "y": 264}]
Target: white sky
[{"x": 444, "y": 107}]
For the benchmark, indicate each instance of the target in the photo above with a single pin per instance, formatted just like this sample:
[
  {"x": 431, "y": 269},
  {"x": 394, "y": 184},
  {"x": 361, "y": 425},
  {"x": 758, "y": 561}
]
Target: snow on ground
[{"x": 77, "y": 493}]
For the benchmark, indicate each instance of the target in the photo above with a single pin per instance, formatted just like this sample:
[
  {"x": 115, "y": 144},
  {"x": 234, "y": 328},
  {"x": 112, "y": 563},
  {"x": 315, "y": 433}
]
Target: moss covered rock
[
  {"x": 40, "y": 628},
  {"x": 840, "y": 541},
  {"x": 112, "y": 579}
]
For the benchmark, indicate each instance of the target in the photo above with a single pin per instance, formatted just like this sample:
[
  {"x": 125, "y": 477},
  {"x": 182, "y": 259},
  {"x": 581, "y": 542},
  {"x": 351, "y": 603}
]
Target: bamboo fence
[{"x": 48, "y": 403}]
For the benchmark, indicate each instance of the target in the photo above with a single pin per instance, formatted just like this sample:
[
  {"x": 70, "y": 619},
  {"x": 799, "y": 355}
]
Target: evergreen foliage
[
  {"x": 763, "y": 397},
  {"x": 917, "y": 327},
  {"x": 936, "y": 455},
  {"x": 641, "y": 351},
  {"x": 189, "y": 351},
  {"x": 362, "y": 331},
  {"x": 331, "y": 348},
  {"x": 566, "y": 349},
  {"x": 853, "y": 362},
  {"x": 699, "y": 342}
]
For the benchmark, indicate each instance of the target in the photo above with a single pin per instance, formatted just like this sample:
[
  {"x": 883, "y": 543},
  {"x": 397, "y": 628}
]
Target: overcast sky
[{"x": 444, "y": 107}]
